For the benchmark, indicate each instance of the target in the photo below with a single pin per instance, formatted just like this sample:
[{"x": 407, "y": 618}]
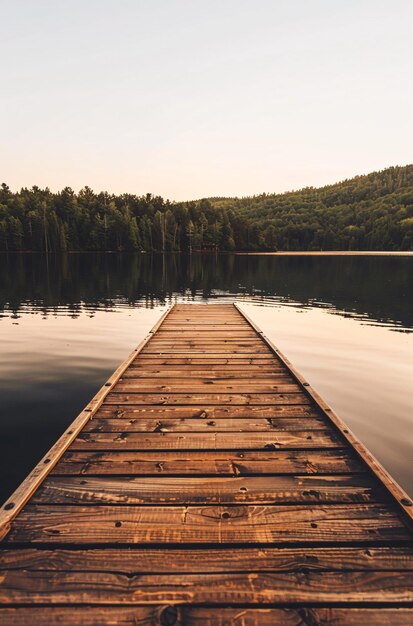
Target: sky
[{"x": 199, "y": 98}]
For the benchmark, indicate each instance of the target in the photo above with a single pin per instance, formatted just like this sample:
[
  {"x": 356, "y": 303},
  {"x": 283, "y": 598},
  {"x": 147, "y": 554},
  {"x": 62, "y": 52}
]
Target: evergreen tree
[{"x": 367, "y": 212}]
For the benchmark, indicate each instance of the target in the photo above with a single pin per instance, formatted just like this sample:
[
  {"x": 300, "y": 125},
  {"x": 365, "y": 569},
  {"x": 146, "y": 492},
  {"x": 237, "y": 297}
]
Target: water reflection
[{"x": 374, "y": 289}]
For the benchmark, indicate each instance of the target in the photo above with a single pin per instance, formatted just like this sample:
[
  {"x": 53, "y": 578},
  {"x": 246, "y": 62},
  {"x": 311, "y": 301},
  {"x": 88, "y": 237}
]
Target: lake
[{"x": 346, "y": 323}]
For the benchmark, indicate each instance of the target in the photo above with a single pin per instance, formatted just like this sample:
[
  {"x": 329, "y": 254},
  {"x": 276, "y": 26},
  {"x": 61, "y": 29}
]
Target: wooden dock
[{"x": 207, "y": 484}]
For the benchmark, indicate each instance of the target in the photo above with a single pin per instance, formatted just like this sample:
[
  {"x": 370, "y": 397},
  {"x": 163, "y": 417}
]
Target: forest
[{"x": 371, "y": 212}]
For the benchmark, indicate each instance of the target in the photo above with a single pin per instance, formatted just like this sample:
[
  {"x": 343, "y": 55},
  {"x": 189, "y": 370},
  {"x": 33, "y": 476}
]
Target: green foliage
[{"x": 370, "y": 212}]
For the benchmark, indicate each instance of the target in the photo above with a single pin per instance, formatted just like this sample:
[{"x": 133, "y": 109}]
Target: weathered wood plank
[
  {"x": 235, "y": 524},
  {"x": 207, "y": 441},
  {"x": 220, "y": 351},
  {"x": 223, "y": 319},
  {"x": 235, "y": 361},
  {"x": 220, "y": 317},
  {"x": 210, "y": 343},
  {"x": 175, "y": 380},
  {"x": 200, "y": 374},
  {"x": 179, "y": 463},
  {"x": 202, "y": 616},
  {"x": 213, "y": 330},
  {"x": 214, "y": 560},
  {"x": 197, "y": 319},
  {"x": 192, "y": 309},
  {"x": 252, "y": 372},
  {"x": 131, "y": 411},
  {"x": 207, "y": 398},
  {"x": 203, "y": 330},
  {"x": 218, "y": 490},
  {"x": 214, "y": 334},
  {"x": 188, "y": 386},
  {"x": 186, "y": 364},
  {"x": 39, "y": 587},
  {"x": 208, "y": 311},
  {"x": 229, "y": 312},
  {"x": 195, "y": 328},
  {"x": 203, "y": 425}
]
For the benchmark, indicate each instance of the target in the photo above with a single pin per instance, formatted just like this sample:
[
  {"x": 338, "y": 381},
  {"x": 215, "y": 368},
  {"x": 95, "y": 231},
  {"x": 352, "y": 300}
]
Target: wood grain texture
[
  {"x": 215, "y": 412},
  {"x": 196, "y": 462},
  {"x": 203, "y": 616},
  {"x": 236, "y": 524},
  {"x": 253, "y": 372},
  {"x": 172, "y": 560},
  {"x": 233, "y": 362},
  {"x": 201, "y": 399},
  {"x": 211, "y": 338},
  {"x": 217, "y": 330},
  {"x": 204, "y": 425},
  {"x": 191, "y": 329},
  {"x": 207, "y": 441},
  {"x": 219, "y": 490},
  {"x": 259, "y": 588},
  {"x": 208, "y": 386},
  {"x": 205, "y": 352}
]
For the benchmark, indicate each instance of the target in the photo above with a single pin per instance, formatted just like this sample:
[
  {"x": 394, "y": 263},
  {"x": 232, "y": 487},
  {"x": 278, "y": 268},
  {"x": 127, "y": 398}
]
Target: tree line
[{"x": 372, "y": 212}]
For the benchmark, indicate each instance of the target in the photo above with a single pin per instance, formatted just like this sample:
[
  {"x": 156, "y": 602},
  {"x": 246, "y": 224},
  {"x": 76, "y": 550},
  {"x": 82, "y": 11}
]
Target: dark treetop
[{"x": 373, "y": 212}]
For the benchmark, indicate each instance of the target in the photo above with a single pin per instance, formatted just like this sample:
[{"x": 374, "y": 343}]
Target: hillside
[
  {"x": 372, "y": 212},
  {"x": 369, "y": 212}
]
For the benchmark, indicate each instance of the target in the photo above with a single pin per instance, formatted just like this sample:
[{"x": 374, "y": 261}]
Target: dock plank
[
  {"x": 241, "y": 373},
  {"x": 187, "y": 386},
  {"x": 219, "y": 490},
  {"x": 234, "y": 362},
  {"x": 203, "y": 616},
  {"x": 196, "y": 462},
  {"x": 216, "y": 412},
  {"x": 207, "y": 441},
  {"x": 206, "y": 398},
  {"x": 236, "y": 524},
  {"x": 22, "y": 587},
  {"x": 183, "y": 424},
  {"x": 172, "y": 560}
]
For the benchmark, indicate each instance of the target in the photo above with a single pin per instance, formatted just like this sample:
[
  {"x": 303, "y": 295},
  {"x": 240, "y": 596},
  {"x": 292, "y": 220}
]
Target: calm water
[{"x": 67, "y": 322}]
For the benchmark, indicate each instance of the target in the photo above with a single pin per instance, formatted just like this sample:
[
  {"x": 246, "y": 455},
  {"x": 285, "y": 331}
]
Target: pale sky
[{"x": 195, "y": 98}]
